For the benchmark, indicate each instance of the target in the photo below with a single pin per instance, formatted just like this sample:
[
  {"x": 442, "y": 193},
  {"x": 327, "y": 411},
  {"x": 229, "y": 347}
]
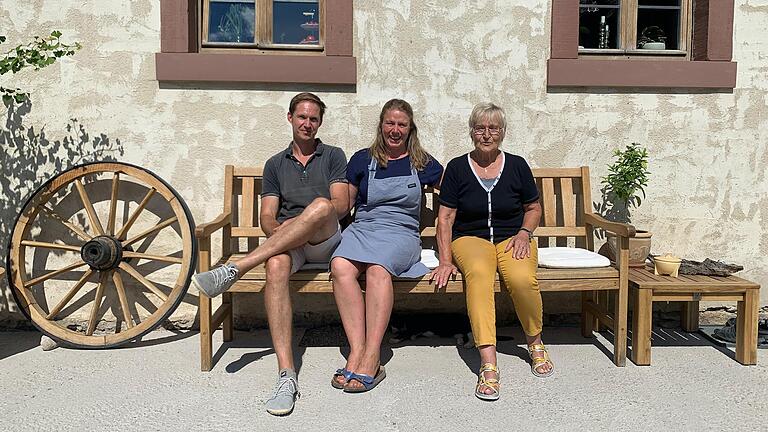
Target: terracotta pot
[{"x": 639, "y": 248}]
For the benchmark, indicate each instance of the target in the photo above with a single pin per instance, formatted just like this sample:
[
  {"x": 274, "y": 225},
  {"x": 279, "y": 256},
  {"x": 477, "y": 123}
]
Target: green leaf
[
  {"x": 628, "y": 175},
  {"x": 39, "y": 53}
]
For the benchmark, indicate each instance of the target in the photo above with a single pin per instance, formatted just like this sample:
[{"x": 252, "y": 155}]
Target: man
[{"x": 304, "y": 194}]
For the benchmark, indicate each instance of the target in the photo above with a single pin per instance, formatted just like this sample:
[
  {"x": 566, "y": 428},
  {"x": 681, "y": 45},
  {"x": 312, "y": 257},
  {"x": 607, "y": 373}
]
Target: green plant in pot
[{"x": 622, "y": 189}]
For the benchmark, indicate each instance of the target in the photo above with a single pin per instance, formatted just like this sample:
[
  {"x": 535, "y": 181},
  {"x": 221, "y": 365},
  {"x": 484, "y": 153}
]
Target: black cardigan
[{"x": 462, "y": 191}]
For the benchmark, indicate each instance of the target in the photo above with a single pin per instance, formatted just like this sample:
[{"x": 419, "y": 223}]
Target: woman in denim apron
[{"x": 386, "y": 182}]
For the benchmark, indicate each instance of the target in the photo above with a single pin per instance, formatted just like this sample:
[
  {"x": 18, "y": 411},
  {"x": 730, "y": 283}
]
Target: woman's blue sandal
[
  {"x": 343, "y": 372},
  {"x": 367, "y": 381}
]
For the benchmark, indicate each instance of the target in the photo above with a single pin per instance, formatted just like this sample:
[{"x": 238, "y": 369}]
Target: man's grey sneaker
[
  {"x": 216, "y": 281},
  {"x": 286, "y": 393}
]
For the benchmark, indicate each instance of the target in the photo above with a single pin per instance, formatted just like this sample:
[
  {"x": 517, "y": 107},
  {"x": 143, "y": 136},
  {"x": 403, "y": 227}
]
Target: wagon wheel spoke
[
  {"x": 72, "y": 227},
  {"x": 89, "y": 208},
  {"x": 51, "y": 245},
  {"x": 162, "y": 258},
  {"x": 113, "y": 204},
  {"x": 47, "y": 276},
  {"x": 136, "y": 275},
  {"x": 64, "y": 301},
  {"x": 97, "y": 303},
  {"x": 146, "y": 233},
  {"x": 118, "y": 280},
  {"x": 135, "y": 215}
]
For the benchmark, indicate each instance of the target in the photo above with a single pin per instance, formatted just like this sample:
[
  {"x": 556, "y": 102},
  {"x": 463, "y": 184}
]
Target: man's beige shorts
[{"x": 315, "y": 257}]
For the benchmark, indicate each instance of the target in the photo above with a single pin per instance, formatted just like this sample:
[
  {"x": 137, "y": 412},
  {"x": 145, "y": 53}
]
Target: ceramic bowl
[{"x": 667, "y": 265}]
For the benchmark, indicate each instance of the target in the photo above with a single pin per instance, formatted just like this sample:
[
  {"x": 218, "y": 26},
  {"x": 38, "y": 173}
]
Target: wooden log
[{"x": 707, "y": 267}]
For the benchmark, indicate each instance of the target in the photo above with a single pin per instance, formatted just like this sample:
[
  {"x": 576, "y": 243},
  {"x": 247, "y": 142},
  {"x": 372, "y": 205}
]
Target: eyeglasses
[{"x": 480, "y": 130}]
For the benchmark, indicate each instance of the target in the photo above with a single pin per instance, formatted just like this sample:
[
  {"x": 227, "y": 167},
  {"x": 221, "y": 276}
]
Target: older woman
[
  {"x": 385, "y": 183},
  {"x": 489, "y": 209}
]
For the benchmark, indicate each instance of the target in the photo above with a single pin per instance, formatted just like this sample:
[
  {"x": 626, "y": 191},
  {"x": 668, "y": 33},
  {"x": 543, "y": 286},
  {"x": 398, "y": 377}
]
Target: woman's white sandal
[
  {"x": 491, "y": 383},
  {"x": 537, "y": 362}
]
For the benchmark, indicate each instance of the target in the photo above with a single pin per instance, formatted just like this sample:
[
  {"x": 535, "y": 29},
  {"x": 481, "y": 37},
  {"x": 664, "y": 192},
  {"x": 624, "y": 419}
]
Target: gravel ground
[{"x": 156, "y": 385}]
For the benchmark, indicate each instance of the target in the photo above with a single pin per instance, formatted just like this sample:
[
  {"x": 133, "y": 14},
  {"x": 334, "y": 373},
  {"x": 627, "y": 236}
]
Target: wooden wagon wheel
[{"x": 101, "y": 254}]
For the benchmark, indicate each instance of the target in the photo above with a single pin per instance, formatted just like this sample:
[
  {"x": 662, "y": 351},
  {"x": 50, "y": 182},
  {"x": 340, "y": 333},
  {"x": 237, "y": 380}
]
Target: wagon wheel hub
[{"x": 102, "y": 253}]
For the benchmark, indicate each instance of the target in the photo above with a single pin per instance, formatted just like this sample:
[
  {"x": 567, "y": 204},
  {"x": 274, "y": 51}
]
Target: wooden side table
[{"x": 646, "y": 288}]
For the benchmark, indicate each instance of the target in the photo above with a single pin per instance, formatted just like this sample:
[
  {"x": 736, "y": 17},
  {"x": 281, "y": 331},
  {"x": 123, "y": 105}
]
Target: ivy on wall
[{"x": 41, "y": 52}]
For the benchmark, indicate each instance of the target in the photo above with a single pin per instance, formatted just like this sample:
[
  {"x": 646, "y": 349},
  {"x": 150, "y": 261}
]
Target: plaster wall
[{"x": 707, "y": 193}]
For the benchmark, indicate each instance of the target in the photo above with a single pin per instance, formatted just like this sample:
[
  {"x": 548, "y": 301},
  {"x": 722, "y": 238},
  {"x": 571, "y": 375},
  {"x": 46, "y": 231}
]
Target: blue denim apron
[{"x": 386, "y": 228}]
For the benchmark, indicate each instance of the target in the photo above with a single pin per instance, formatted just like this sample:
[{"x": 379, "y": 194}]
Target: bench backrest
[
  {"x": 565, "y": 197},
  {"x": 242, "y": 196}
]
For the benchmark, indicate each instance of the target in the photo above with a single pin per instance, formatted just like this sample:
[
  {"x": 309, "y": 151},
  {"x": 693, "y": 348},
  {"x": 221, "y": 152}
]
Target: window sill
[
  {"x": 283, "y": 69},
  {"x": 631, "y": 53},
  {"x": 640, "y": 73}
]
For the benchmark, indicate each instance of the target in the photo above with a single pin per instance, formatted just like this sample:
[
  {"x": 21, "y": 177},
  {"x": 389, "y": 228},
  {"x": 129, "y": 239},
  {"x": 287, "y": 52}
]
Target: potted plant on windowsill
[
  {"x": 652, "y": 38},
  {"x": 622, "y": 187}
]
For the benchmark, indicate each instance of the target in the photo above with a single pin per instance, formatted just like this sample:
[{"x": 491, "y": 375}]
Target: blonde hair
[
  {"x": 490, "y": 111},
  {"x": 378, "y": 150}
]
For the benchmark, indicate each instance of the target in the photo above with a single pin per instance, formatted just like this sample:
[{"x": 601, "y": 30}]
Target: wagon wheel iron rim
[{"x": 136, "y": 268}]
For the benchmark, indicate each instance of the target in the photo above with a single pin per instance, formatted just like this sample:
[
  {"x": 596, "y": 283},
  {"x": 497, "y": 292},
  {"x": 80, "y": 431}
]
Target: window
[
  {"x": 268, "y": 24},
  {"x": 634, "y": 27},
  {"x": 259, "y": 41},
  {"x": 642, "y": 43}
]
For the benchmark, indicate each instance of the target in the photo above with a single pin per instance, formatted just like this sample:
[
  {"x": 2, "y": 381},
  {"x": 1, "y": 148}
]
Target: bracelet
[{"x": 530, "y": 233}]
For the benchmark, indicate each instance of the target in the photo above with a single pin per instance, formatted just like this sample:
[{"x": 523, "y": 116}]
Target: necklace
[
  {"x": 489, "y": 166},
  {"x": 485, "y": 169}
]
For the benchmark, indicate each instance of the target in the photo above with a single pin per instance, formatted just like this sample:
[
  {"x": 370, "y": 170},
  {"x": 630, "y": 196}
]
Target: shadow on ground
[
  {"x": 511, "y": 342},
  {"x": 15, "y": 342}
]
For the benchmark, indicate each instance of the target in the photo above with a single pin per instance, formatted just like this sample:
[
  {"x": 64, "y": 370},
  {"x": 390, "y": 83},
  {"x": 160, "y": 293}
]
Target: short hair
[
  {"x": 488, "y": 110},
  {"x": 306, "y": 97}
]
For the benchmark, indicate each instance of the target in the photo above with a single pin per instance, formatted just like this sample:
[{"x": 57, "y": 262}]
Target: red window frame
[
  {"x": 710, "y": 65},
  {"x": 179, "y": 58}
]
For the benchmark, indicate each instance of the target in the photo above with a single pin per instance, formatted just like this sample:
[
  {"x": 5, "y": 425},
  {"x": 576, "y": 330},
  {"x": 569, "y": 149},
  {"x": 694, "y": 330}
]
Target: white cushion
[
  {"x": 429, "y": 258},
  {"x": 566, "y": 257}
]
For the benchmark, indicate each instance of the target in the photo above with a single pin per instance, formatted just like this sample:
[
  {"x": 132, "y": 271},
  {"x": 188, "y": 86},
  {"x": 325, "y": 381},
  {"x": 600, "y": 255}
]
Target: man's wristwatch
[{"x": 529, "y": 232}]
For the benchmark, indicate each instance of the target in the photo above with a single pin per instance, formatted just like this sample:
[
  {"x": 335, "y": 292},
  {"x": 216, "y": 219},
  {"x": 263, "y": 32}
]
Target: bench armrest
[
  {"x": 206, "y": 229},
  {"x": 618, "y": 228}
]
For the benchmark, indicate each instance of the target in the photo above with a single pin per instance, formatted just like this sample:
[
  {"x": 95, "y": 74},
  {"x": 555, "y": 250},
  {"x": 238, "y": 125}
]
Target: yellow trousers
[{"x": 478, "y": 260}]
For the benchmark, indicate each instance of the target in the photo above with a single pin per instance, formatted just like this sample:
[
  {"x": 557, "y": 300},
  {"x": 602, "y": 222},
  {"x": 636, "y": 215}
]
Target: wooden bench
[{"x": 566, "y": 220}]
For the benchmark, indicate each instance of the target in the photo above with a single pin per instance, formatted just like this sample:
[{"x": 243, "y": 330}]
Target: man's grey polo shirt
[{"x": 298, "y": 185}]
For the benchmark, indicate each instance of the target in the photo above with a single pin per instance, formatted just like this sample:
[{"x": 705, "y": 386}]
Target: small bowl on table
[{"x": 666, "y": 265}]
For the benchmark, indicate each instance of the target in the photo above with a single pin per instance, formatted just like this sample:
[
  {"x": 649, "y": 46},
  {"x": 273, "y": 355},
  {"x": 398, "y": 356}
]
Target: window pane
[
  {"x": 295, "y": 22},
  {"x": 599, "y": 24},
  {"x": 658, "y": 24},
  {"x": 231, "y": 21},
  {"x": 668, "y": 3}
]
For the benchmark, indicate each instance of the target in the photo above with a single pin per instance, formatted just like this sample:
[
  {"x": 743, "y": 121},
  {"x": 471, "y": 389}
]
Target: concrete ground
[{"x": 157, "y": 385}]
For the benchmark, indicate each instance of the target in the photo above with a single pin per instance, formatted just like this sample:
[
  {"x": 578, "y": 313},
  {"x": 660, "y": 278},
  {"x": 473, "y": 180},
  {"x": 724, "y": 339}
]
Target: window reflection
[
  {"x": 296, "y": 22},
  {"x": 231, "y": 21}
]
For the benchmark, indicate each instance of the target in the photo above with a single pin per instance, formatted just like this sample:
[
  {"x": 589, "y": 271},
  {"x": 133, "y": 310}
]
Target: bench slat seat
[
  {"x": 566, "y": 220},
  {"x": 545, "y": 275}
]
